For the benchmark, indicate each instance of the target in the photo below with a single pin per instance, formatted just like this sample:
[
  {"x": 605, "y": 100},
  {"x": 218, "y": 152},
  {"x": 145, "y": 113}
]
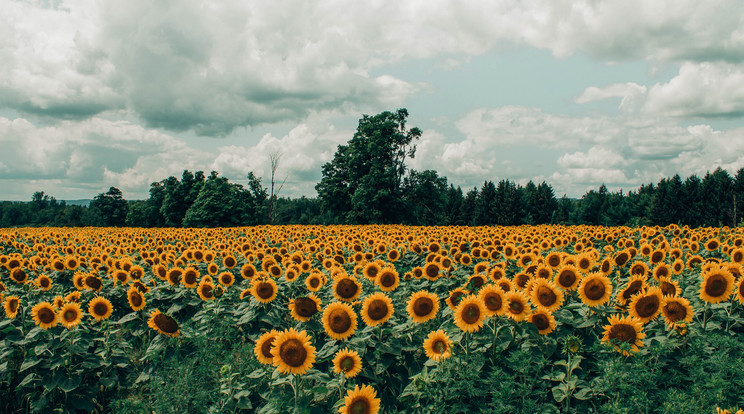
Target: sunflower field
[{"x": 367, "y": 319}]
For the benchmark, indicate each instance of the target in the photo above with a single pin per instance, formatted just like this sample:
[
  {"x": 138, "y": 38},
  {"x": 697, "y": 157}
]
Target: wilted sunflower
[
  {"x": 303, "y": 308},
  {"x": 388, "y": 279},
  {"x": 595, "y": 289},
  {"x": 717, "y": 285},
  {"x": 546, "y": 294},
  {"x": 377, "y": 308},
  {"x": 226, "y": 279},
  {"x": 543, "y": 320},
  {"x": 567, "y": 277},
  {"x": 100, "y": 308},
  {"x": 438, "y": 346},
  {"x": 624, "y": 333},
  {"x": 163, "y": 323},
  {"x": 646, "y": 306},
  {"x": 11, "y": 305},
  {"x": 292, "y": 352},
  {"x": 264, "y": 290},
  {"x": 346, "y": 288},
  {"x": 517, "y": 306},
  {"x": 44, "y": 315},
  {"x": 70, "y": 315},
  {"x": 262, "y": 348},
  {"x": 347, "y": 362},
  {"x": 676, "y": 310},
  {"x": 493, "y": 299},
  {"x": 422, "y": 306},
  {"x": 470, "y": 314},
  {"x": 339, "y": 320},
  {"x": 135, "y": 298}
]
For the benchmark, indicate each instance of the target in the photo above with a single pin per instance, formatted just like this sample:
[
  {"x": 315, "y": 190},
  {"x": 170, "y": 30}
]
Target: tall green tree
[
  {"x": 111, "y": 207},
  {"x": 363, "y": 182},
  {"x": 425, "y": 195}
]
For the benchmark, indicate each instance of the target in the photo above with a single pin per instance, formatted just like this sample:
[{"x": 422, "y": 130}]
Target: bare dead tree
[{"x": 274, "y": 159}]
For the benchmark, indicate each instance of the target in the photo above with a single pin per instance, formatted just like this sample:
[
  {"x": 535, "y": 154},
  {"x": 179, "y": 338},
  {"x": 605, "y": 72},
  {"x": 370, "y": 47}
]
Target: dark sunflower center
[
  {"x": 439, "y": 346},
  {"x": 264, "y": 290},
  {"x": 70, "y": 315},
  {"x": 541, "y": 321},
  {"x": 423, "y": 306},
  {"x": 647, "y": 306},
  {"x": 554, "y": 261},
  {"x": 662, "y": 271},
  {"x": 206, "y": 291},
  {"x": 44, "y": 282},
  {"x": 632, "y": 289},
  {"x": 377, "y": 310},
  {"x": 100, "y": 309},
  {"x": 293, "y": 353},
  {"x": 275, "y": 271},
  {"x": 446, "y": 262},
  {"x": 543, "y": 274},
  {"x": 13, "y": 304},
  {"x": 248, "y": 272},
  {"x": 189, "y": 277},
  {"x": 621, "y": 259},
  {"x": 174, "y": 276},
  {"x": 346, "y": 288},
  {"x": 605, "y": 266},
  {"x": 166, "y": 323},
  {"x": 522, "y": 280},
  {"x": 471, "y": 314},
  {"x": 584, "y": 263},
  {"x": 432, "y": 271},
  {"x": 305, "y": 307},
  {"x": 347, "y": 364},
  {"x": 594, "y": 289},
  {"x": 372, "y": 272},
  {"x": 478, "y": 281},
  {"x": 226, "y": 278},
  {"x": 638, "y": 270},
  {"x": 493, "y": 301},
  {"x": 675, "y": 311},
  {"x": 360, "y": 405},
  {"x": 266, "y": 347},
  {"x": 339, "y": 321},
  {"x": 546, "y": 296},
  {"x": 516, "y": 307},
  {"x": 656, "y": 257},
  {"x": 136, "y": 299},
  {"x": 46, "y": 315},
  {"x": 567, "y": 278},
  {"x": 387, "y": 279},
  {"x": 314, "y": 282},
  {"x": 716, "y": 286},
  {"x": 455, "y": 298},
  {"x": 93, "y": 282},
  {"x": 19, "y": 275},
  {"x": 229, "y": 262},
  {"x": 668, "y": 289},
  {"x": 623, "y": 333}
]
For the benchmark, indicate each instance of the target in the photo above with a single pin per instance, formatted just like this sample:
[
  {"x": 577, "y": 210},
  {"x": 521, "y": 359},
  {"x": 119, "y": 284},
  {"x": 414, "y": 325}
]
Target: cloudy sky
[{"x": 96, "y": 94}]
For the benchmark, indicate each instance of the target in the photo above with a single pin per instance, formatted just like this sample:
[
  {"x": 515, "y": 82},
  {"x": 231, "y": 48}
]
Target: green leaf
[
  {"x": 28, "y": 364},
  {"x": 560, "y": 392},
  {"x": 128, "y": 317},
  {"x": 70, "y": 383},
  {"x": 583, "y": 394},
  {"x": 27, "y": 380},
  {"x": 259, "y": 373}
]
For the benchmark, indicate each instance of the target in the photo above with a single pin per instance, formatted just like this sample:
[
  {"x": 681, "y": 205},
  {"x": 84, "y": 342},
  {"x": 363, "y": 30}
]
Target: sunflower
[
  {"x": 314, "y": 281},
  {"x": 229, "y": 261},
  {"x": 70, "y": 315},
  {"x": 388, "y": 279},
  {"x": 43, "y": 282},
  {"x": 18, "y": 275},
  {"x": 11, "y": 305},
  {"x": 190, "y": 277},
  {"x": 505, "y": 284},
  {"x": 339, "y": 320},
  {"x": 135, "y": 298},
  {"x": 371, "y": 270},
  {"x": 262, "y": 348},
  {"x": 676, "y": 310},
  {"x": 73, "y": 297},
  {"x": 347, "y": 362},
  {"x": 346, "y": 288},
  {"x": 546, "y": 294},
  {"x": 377, "y": 308},
  {"x": 554, "y": 260},
  {"x": 595, "y": 289},
  {"x": 624, "y": 333},
  {"x": 44, "y": 315},
  {"x": 492, "y": 297},
  {"x": 212, "y": 269},
  {"x": 517, "y": 306},
  {"x": 639, "y": 268},
  {"x": 205, "y": 290},
  {"x": 621, "y": 258},
  {"x": 160, "y": 271},
  {"x": 635, "y": 284},
  {"x": 432, "y": 271},
  {"x": 264, "y": 290},
  {"x": 662, "y": 270},
  {"x": 247, "y": 271},
  {"x": 163, "y": 323},
  {"x": 567, "y": 277},
  {"x": 543, "y": 320},
  {"x": 717, "y": 285},
  {"x": 669, "y": 287},
  {"x": 646, "y": 306},
  {"x": 120, "y": 277},
  {"x": 292, "y": 352},
  {"x": 455, "y": 296},
  {"x": 470, "y": 314},
  {"x": 137, "y": 272},
  {"x": 174, "y": 276},
  {"x": 438, "y": 346},
  {"x": 58, "y": 301},
  {"x": 100, "y": 308},
  {"x": 422, "y": 306},
  {"x": 226, "y": 279},
  {"x": 303, "y": 308}
]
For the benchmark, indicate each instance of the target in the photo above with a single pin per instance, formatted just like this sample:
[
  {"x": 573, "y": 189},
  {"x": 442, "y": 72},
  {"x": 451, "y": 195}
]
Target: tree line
[{"x": 368, "y": 181}]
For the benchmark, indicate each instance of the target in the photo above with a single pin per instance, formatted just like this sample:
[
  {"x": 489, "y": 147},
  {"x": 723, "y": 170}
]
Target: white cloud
[{"x": 631, "y": 95}]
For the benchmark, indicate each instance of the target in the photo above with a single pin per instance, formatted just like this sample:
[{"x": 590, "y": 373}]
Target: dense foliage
[{"x": 278, "y": 319}]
